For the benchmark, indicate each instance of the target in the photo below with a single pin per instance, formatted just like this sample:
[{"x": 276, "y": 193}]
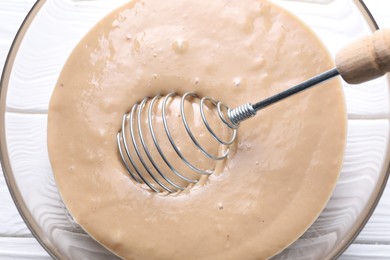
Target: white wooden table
[{"x": 16, "y": 241}]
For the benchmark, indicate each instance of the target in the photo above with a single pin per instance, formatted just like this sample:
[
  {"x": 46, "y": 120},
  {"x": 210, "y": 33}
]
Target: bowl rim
[{"x": 35, "y": 228}]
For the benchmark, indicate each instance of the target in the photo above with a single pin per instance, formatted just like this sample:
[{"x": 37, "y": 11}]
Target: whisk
[{"x": 358, "y": 62}]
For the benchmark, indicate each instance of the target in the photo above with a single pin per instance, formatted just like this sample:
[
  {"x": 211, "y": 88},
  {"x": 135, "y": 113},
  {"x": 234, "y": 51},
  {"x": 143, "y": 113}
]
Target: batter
[{"x": 286, "y": 160}]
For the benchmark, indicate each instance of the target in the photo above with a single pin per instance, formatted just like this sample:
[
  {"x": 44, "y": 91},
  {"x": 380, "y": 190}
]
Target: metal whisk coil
[{"x": 142, "y": 166}]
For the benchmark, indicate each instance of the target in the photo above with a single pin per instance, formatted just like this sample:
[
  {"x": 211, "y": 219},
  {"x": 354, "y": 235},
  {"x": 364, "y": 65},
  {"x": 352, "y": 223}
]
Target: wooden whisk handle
[{"x": 365, "y": 59}]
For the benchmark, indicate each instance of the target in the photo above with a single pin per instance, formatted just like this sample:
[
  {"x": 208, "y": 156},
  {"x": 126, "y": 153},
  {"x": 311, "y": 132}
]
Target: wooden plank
[
  {"x": 27, "y": 146},
  {"x": 377, "y": 230},
  {"x": 380, "y": 11},
  {"x": 12, "y": 11},
  {"x": 366, "y": 252},
  {"x": 11, "y": 223},
  {"x": 26, "y": 248}
]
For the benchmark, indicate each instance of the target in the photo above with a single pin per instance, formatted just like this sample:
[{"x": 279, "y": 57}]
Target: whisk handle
[{"x": 365, "y": 59}]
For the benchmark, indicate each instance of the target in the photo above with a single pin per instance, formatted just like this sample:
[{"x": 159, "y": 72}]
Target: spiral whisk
[{"x": 143, "y": 160}]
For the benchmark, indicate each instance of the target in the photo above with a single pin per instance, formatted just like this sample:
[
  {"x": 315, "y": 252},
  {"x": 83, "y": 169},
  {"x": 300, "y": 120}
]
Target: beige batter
[{"x": 286, "y": 160}]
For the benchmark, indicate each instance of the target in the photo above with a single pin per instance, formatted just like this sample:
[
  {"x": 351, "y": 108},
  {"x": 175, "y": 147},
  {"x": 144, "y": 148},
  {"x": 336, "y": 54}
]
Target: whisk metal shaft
[{"x": 248, "y": 110}]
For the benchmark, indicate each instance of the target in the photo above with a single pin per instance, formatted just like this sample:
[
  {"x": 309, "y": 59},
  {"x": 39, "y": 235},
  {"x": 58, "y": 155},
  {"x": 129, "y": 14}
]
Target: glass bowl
[{"x": 51, "y": 31}]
